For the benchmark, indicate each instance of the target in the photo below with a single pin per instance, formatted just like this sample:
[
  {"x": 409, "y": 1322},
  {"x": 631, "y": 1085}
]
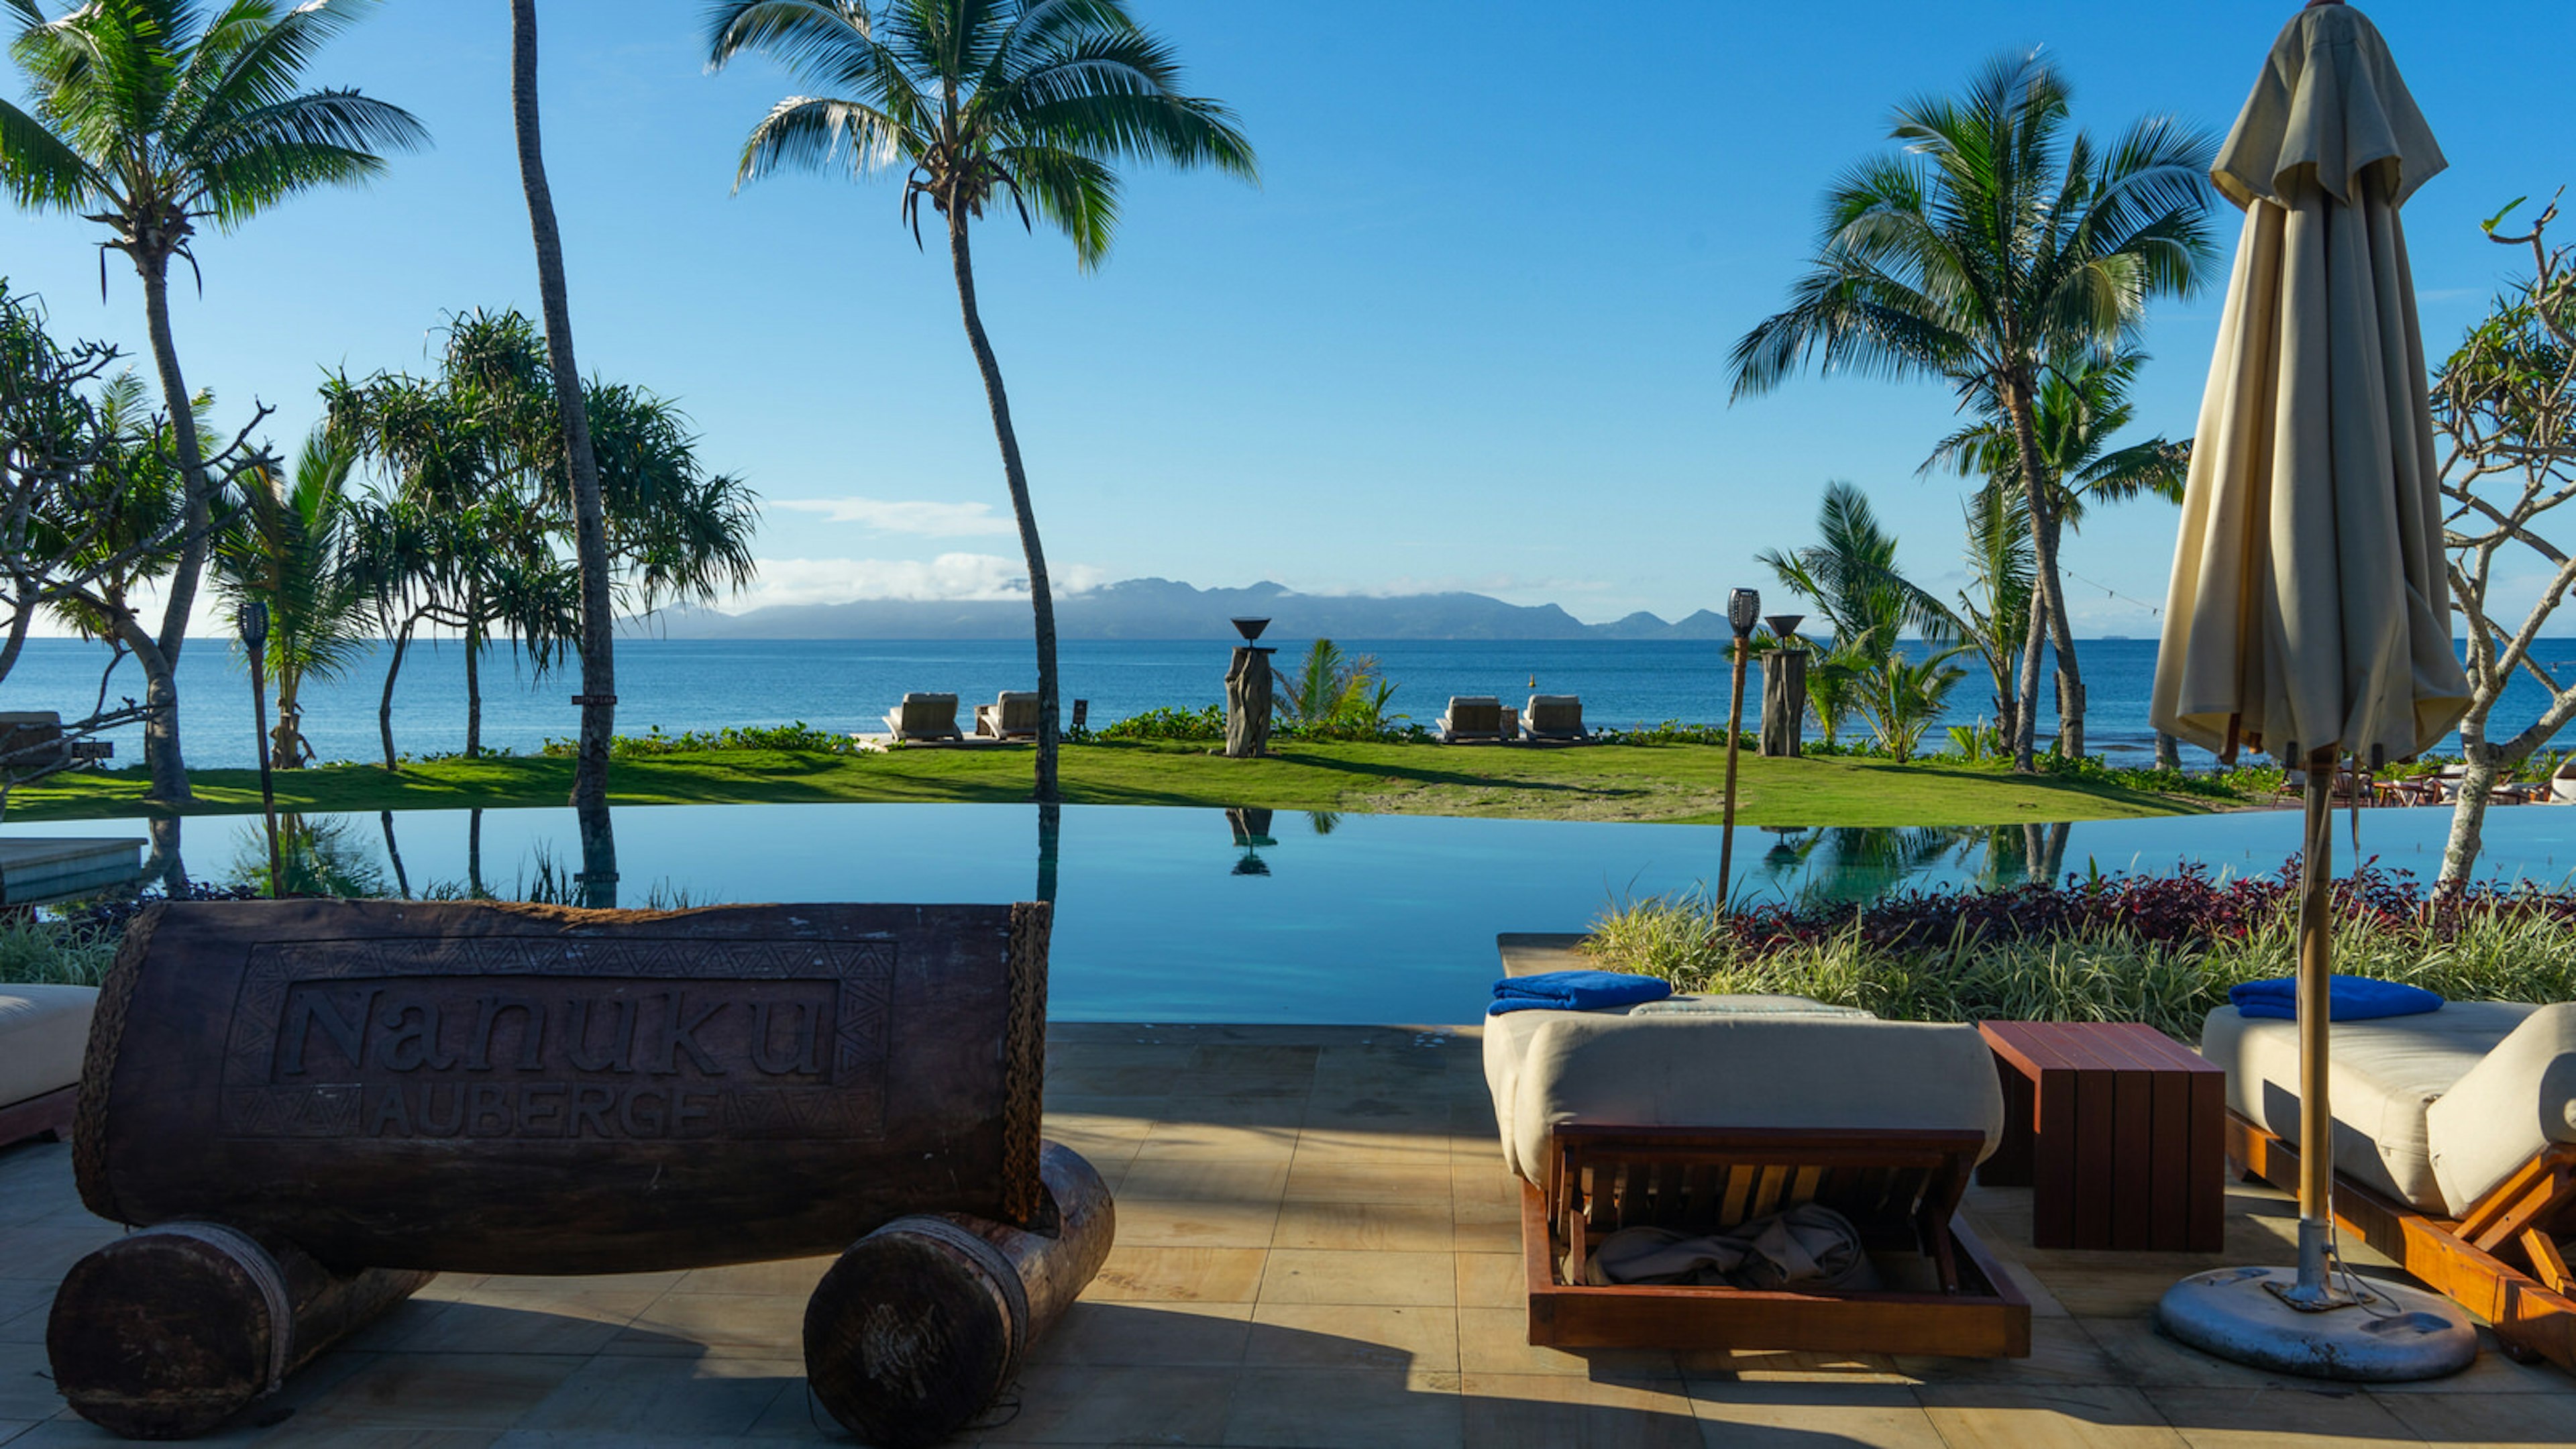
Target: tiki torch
[{"x": 1743, "y": 609}]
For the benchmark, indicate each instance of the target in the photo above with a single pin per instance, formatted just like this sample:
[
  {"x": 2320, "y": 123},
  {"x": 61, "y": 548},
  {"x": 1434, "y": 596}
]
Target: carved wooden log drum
[
  {"x": 920, "y": 1325},
  {"x": 165, "y": 1333},
  {"x": 474, "y": 1087}
]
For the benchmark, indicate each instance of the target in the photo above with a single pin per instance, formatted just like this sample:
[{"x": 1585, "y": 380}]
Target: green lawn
[{"x": 1681, "y": 783}]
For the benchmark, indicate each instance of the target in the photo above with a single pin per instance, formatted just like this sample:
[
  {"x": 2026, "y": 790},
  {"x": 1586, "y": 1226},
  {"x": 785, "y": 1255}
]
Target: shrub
[
  {"x": 1168, "y": 723},
  {"x": 53, "y": 952},
  {"x": 2158, "y": 949},
  {"x": 798, "y": 736}
]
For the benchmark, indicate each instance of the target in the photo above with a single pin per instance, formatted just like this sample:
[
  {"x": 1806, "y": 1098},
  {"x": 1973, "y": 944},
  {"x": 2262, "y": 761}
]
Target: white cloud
[
  {"x": 921, "y": 517},
  {"x": 950, "y": 576}
]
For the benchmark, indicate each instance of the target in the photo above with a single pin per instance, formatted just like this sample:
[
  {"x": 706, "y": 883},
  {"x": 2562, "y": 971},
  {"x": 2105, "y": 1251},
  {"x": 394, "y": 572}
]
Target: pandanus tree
[
  {"x": 982, "y": 104},
  {"x": 150, "y": 117},
  {"x": 1991, "y": 245},
  {"x": 290, "y": 546},
  {"x": 474, "y": 512}
]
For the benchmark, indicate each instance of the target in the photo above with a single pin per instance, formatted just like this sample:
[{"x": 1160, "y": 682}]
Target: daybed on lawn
[
  {"x": 2454, "y": 1147},
  {"x": 44, "y": 1030},
  {"x": 1013, "y": 715},
  {"x": 1704, "y": 1114},
  {"x": 1555, "y": 718},
  {"x": 924, "y": 717},
  {"x": 1472, "y": 719}
]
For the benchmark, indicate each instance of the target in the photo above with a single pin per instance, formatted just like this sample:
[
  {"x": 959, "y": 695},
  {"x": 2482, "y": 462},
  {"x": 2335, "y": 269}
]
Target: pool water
[{"x": 1177, "y": 915}]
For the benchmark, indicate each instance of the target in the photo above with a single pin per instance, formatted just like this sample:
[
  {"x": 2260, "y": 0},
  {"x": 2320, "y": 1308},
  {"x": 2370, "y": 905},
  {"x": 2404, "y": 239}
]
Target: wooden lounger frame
[
  {"x": 1900, "y": 1188},
  {"x": 2500, "y": 1260},
  {"x": 48, "y": 1114}
]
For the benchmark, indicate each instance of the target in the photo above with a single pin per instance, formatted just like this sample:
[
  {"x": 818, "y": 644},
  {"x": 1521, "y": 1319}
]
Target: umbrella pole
[{"x": 2316, "y": 1117}]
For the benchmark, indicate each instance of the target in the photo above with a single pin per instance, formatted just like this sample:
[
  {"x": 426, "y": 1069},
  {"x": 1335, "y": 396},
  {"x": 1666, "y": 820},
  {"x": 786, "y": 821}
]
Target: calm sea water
[
  {"x": 1190, "y": 915},
  {"x": 849, "y": 685}
]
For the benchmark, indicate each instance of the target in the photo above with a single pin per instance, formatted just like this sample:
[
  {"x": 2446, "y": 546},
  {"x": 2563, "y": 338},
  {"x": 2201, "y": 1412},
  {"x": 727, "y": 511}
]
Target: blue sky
[{"x": 1470, "y": 331}]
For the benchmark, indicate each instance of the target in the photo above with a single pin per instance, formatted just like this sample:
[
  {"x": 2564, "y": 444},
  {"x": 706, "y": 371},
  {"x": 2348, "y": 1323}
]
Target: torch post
[
  {"x": 254, "y": 637},
  {"x": 1743, "y": 607}
]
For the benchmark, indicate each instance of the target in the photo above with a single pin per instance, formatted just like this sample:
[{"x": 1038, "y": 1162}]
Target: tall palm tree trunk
[
  {"x": 2043, "y": 568},
  {"x": 1041, "y": 597},
  {"x": 590, "y": 532},
  {"x": 161, "y": 665},
  {"x": 474, "y": 683},
  {"x": 2070, "y": 679}
]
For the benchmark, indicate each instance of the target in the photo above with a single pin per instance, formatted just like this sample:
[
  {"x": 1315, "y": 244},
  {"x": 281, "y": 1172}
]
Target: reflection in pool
[{"x": 1252, "y": 915}]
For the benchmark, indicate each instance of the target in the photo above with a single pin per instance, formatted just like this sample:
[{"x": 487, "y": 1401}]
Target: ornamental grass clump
[
  {"x": 2158, "y": 949},
  {"x": 53, "y": 953}
]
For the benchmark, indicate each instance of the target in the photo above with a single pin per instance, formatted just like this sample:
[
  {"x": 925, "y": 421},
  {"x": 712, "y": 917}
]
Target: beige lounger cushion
[
  {"x": 2383, "y": 1076},
  {"x": 2509, "y": 1107},
  {"x": 1554, "y": 714},
  {"x": 1744, "y": 1070},
  {"x": 1473, "y": 714},
  {"x": 44, "y": 1032}
]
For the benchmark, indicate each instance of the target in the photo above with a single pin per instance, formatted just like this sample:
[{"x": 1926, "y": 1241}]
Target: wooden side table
[{"x": 2118, "y": 1131}]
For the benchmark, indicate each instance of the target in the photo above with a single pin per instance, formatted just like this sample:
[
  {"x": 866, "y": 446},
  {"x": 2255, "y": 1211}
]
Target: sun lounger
[
  {"x": 1702, "y": 1115},
  {"x": 1472, "y": 719},
  {"x": 1013, "y": 715},
  {"x": 2562, "y": 783},
  {"x": 2454, "y": 1148},
  {"x": 1556, "y": 718},
  {"x": 924, "y": 717},
  {"x": 43, "y": 1032}
]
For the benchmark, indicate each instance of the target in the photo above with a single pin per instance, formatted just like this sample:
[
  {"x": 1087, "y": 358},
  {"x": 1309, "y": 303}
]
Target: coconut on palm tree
[
  {"x": 1020, "y": 106},
  {"x": 289, "y": 546},
  {"x": 151, "y": 117},
  {"x": 1992, "y": 244}
]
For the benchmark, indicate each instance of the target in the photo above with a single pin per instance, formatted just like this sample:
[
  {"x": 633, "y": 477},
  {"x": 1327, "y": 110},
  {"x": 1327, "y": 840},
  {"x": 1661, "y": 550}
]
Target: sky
[{"x": 1468, "y": 332}]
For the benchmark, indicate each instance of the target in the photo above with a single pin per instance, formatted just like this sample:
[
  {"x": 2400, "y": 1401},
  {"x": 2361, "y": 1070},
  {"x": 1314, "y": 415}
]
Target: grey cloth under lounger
[{"x": 1809, "y": 1245}]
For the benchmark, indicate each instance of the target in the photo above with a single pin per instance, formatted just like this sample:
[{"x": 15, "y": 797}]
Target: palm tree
[
  {"x": 1991, "y": 245},
  {"x": 2083, "y": 403},
  {"x": 290, "y": 547},
  {"x": 1904, "y": 697},
  {"x": 975, "y": 101},
  {"x": 1991, "y": 614},
  {"x": 150, "y": 117},
  {"x": 590, "y": 525},
  {"x": 1851, "y": 578}
]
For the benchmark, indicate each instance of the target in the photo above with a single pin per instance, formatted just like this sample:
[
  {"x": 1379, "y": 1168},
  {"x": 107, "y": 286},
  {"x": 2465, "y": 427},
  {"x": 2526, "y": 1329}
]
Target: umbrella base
[{"x": 2399, "y": 1334}]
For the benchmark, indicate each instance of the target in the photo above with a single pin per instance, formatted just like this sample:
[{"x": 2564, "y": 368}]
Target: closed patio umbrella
[{"x": 2309, "y": 614}]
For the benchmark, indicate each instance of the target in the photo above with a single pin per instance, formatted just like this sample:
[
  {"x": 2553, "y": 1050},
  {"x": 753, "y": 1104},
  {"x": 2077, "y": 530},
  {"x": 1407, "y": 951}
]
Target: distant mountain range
[{"x": 1164, "y": 609}]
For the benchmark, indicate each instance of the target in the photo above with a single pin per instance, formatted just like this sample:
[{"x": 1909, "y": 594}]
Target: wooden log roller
[
  {"x": 922, "y": 1323},
  {"x": 166, "y": 1333}
]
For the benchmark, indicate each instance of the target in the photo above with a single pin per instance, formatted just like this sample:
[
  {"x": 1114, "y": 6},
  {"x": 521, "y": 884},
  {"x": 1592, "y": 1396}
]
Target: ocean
[{"x": 848, "y": 685}]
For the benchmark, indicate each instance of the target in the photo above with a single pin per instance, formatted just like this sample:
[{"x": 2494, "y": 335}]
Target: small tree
[{"x": 2505, "y": 409}]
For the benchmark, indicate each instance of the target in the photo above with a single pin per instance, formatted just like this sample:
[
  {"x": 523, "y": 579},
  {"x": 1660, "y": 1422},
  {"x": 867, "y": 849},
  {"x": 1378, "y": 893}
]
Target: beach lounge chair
[
  {"x": 2562, "y": 783},
  {"x": 1555, "y": 718},
  {"x": 924, "y": 717},
  {"x": 2454, "y": 1148},
  {"x": 1703, "y": 1115},
  {"x": 44, "y": 1030},
  {"x": 1013, "y": 715},
  {"x": 1472, "y": 719}
]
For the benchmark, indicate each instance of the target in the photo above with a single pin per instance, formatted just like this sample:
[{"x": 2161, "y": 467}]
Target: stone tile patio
[{"x": 1316, "y": 1247}]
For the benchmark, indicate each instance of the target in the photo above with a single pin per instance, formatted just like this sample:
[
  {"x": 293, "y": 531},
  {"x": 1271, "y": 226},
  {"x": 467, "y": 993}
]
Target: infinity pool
[{"x": 1249, "y": 916}]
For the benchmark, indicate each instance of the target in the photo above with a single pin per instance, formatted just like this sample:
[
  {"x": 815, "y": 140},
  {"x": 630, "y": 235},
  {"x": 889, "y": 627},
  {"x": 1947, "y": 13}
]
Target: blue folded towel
[
  {"x": 2348, "y": 998},
  {"x": 1575, "y": 991}
]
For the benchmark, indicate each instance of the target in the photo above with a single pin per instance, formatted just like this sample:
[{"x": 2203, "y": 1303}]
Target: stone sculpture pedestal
[
  {"x": 1247, "y": 703},
  {"x": 1784, "y": 701}
]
